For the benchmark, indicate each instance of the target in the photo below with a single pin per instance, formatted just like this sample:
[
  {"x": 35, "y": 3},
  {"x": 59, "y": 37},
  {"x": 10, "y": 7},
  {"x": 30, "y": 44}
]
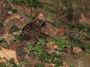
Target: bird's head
[
  {"x": 40, "y": 23},
  {"x": 41, "y": 19}
]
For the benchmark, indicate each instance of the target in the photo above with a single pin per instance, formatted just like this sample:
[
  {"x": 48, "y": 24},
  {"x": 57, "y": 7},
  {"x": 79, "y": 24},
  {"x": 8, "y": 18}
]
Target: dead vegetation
[{"x": 43, "y": 33}]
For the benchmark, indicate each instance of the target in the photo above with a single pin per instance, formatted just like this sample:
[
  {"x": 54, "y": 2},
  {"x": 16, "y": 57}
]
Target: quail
[
  {"x": 30, "y": 34},
  {"x": 32, "y": 30}
]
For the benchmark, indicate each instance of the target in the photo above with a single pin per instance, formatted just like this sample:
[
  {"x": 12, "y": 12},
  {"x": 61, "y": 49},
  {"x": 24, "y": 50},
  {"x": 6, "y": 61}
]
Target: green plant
[
  {"x": 2, "y": 40},
  {"x": 40, "y": 65},
  {"x": 9, "y": 63},
  {"x": 59, "y": 41},
  {"x": 22, "y": 63},
  {"x": 40, "y": 52},
  {"x": 18, "y": 38},
  {"x": 71, "y": 65},
  {"x": 32, "y": 3}
]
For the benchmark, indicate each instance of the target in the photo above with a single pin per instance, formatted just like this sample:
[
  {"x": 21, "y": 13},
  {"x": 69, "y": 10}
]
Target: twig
[{"x": 10, "y": 4}]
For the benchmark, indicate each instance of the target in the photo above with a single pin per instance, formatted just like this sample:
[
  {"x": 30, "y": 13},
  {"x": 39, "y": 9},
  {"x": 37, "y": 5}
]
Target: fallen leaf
[
  {"x": 51, "y": 46},
  {"x": 8, "y": 38},
  {"x": 61, "y": 31},
  {"x": 7, "y": 54},
  {"x": 84, "y": 20},
  {"x": 14, "y": 20},
  {"x": 77, "y": 50},
  {"x": 51, "y": 65}
]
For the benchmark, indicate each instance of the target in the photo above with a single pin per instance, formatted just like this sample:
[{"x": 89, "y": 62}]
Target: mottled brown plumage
[
  {"x": 31, "y": 31},
  {"x": 21, "y": 53},
  {"x": 30, "y": 34}
]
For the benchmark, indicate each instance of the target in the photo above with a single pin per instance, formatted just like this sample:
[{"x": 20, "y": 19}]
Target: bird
[
  {"x": 30, "y": 34},
  {"x": 31, "y": 31},
  {"x": 21, "y": 52}
]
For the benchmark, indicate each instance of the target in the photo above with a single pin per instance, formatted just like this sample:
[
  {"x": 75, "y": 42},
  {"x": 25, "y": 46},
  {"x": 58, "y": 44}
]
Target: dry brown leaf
[
  {"x": 51, "y": 65},
  {"x": 8, "y": 38},
  {"x": 28, "y": 10},
  {"x": 7, "y": 54},
  {"x": 65, "y": 64},
  {"x": 84, "y": 20},
  {"x": 77, "y": 50},
  {"x": 61, "y": 31},
  {"x": 51, "y": 46},
  {"x": 22, "y": 9},
  {"x": 15, "y": 20}
]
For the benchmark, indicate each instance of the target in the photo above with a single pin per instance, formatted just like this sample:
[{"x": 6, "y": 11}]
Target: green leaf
[
  {"x": 22, "y": 63},
  {"x": 60, "y": 42},
  {"x": 39, "y": 65}
]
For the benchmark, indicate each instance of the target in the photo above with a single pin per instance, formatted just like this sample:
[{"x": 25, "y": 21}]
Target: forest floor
[{"x": 64, "y": 44}]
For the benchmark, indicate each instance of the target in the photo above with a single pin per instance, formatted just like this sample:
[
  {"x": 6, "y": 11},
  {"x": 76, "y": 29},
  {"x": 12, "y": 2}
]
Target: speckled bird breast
[{"x": 31, "y": 32}]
